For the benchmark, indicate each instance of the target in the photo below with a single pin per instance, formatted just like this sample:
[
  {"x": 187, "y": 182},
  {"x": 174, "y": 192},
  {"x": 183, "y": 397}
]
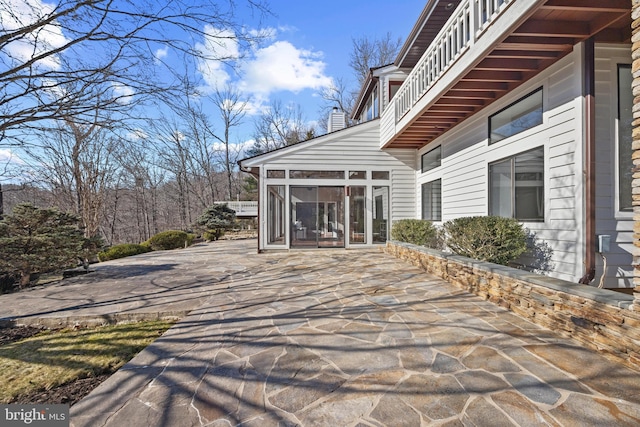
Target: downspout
[
  {"x": 257, "y": 177},
  {"x": 590, "y": 160}
]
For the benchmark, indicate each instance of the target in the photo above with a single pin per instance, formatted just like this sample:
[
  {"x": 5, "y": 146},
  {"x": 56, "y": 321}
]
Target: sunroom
[{"x": 333, "y": 191}]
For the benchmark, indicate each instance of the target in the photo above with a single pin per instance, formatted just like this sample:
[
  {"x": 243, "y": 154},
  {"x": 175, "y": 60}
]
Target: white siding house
[
  {"x": 354, "y": 167},
  {"x": 512, "y": 108}
]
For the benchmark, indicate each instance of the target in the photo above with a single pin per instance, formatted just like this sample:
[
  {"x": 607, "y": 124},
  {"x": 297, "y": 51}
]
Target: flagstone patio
[{"x": 330, "y": 338}]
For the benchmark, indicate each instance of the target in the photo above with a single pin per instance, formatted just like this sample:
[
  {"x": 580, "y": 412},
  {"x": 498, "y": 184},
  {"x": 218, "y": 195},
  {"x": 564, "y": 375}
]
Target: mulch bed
[{"x": 69, "y": 393}]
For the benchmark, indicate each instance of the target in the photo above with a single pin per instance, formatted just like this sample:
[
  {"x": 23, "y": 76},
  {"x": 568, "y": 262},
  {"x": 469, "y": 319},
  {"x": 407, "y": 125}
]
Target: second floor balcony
[{"x": 485, "y": 49}]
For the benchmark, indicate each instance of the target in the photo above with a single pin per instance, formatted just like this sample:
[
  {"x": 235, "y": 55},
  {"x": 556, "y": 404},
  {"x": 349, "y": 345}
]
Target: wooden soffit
[{"x": 546, "y": 36}]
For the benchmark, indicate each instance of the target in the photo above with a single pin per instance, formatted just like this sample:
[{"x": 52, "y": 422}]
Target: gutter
[{"x": 590, "y": 160}]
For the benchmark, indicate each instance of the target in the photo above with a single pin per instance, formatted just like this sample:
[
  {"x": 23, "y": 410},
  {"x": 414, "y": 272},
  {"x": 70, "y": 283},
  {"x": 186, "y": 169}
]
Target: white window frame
[
  {"x": 616, "y": 62},
  {"x": 545, "y": 184}
]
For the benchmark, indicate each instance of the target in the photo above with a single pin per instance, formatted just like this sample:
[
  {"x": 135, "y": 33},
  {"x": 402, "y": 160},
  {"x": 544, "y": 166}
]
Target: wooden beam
[
  {"x": 481, "y": 86},
  {"x": 443, "y": 115},
  {"x": 508, "y": 64},
  {"x": 493, "y": 76},
  {"x": 478, "y": 94},
  {"x": 523, "y": 54},
  {"x": 459, "y": 101},
  {"x": 549, "y": 44},
  {"x": 429, "y": 123},
  {"x": 622, "y": 6},
  {"x": 453, "y": 108},
  {"x": 550, "y": 28}
]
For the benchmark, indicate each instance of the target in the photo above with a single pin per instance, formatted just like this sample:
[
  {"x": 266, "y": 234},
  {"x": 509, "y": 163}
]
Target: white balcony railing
[
  {"x": 464, "y": 27},
  {"x": 242, "y": 207}
]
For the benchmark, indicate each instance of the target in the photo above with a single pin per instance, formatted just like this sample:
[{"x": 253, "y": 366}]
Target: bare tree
[
  {"x": 77, "y": 162},
  {"x": 135, "y": 196},
  {"x": 174, "y": 154},
  {"x": 366, "y": 53},
  {"x": 102, "y": 49},
  {"x": 232, "y": 110},
  {"x": 338, "y": 95},
  {"x": 279, "y": 126},
  {"x": 74, "y": 58},
  {"x": 369, "y": 53}
]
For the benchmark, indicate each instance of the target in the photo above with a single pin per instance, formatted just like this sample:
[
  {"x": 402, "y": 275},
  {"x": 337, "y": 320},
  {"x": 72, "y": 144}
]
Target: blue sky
[
  {"x": 308, "y": 47},
  {"x": 317, "y": 38}
]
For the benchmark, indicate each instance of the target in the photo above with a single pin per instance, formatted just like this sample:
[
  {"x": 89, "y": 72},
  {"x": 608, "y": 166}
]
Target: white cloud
[
  {"x": 21, "y": 13},
  {"x": 8, "y": 156},
  {"x": 13, "y": 168},
  {"x": 161, "y": 53},
  {"x": 219, "y": 46},
  {"x": 282, "y": 66},
  {"x": 137, "y": 135},
  {"x": 278, "y": 66},
  {"x": 122, "y": 93},
  {"x": 237, "y": 150}
]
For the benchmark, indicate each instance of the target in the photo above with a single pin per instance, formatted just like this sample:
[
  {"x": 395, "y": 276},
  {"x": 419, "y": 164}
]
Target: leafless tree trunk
[
  {"x": 232, "y": 110},
  {"x": 63, "y": 56},
  {"x": 77, "y": 161},
  {"x": 370, "y": 52}
]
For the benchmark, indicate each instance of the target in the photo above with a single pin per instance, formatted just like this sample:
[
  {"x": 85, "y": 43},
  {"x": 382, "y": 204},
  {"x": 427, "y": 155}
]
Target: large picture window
[
  {"x": 516, "y": 186},
  {"x": 624, "y": 129},
  {"x": 517, "y": 117},
  {"x": 432, "y": 200}
]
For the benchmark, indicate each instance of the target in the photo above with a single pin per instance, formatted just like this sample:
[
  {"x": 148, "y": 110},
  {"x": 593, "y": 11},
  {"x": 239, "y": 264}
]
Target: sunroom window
[{"x": 517, "y": 117}]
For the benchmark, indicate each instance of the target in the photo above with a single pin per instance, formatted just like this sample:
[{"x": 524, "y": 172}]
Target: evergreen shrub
[
  {"x": 122, "y": 251},
  {"x": 8, "y": 282},
  {"x": 417, "y": 232},
  {"x": 170, "y": 239},
  {"x": 211, "y": 235},
  {"x": 486, "y": 238},
  {"x": 215, "y": 220}
]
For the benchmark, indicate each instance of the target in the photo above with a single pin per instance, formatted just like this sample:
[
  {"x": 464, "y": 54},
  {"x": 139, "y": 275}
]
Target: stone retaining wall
[{"x": 601, "y": 319}]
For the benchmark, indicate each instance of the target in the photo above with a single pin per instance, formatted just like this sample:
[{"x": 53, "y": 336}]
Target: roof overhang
[
  {"x": 433, "y": 17},
  {"x": 369, "y": 85},
  {"x": 547, "y": 34}
]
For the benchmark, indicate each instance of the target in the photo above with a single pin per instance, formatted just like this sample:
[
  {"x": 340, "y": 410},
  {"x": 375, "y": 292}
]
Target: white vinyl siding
[
  {"x": 609, "y": 220},
  {"x": 355, "y": 148},
  {"x": 466, "y": 155}
]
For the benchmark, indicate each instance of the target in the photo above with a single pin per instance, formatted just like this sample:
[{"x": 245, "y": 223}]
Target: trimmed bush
[
  {"x": 8, "y": 282},
  {"x": 486, "y": 238},
  {"x": 170, "y": 239},
  {"x": 212, "y": 235},
  {"x": 121, "y": 251},
  {"x": 416, "y": 231}
]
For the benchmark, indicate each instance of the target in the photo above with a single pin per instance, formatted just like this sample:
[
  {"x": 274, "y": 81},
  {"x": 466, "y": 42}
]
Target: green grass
[{"x": 54, "y": 358}]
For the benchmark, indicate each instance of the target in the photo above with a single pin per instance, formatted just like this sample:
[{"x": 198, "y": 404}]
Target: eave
[{"x": 519, "y": 45}]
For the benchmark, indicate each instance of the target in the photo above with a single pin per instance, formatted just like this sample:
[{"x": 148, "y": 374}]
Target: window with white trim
[
  {"x": 432, "y": 200},
  {"x": 516, "y": 186}
]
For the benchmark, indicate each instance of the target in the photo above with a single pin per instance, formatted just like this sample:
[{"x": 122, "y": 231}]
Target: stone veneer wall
[
  {"x": 599, "y": 318},
  {"x": 635, "y": 183}
]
